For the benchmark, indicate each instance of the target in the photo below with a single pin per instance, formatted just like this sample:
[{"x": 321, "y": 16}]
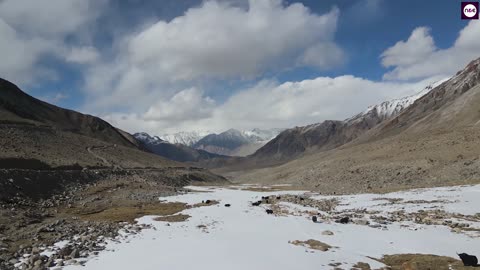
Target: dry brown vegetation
[
  {"x": 422, "y": 262},
  {"x": 267, "y": 188},
  {"x": 312, "y": 244},
  {"x": 173, "y": 218},
  {"x": 129, "y": 213},
  {"x": 200, "y": 204}
]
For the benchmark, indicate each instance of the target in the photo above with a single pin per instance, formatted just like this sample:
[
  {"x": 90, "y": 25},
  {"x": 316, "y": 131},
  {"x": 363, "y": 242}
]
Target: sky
[{"x": 169, "y": 66}]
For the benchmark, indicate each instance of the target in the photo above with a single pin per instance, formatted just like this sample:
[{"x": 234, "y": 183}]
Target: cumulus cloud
[
  {"x": 269, "y": 104},
  {"x": 47, "y": 18},
  {"x": 418, "y": 57},
  {"x": 82, "y": 55},
  {"x": 188, "y": 104},
  {"x": 419, "y": 46},
  {"x": 218, "y": 40},
  {"x": 31, "y": 29},
  {"x": 18, "y": 54}
]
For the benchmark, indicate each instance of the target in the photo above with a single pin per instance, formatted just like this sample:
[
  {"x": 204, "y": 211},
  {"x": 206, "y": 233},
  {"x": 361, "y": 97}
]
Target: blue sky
[{"x": 167, "y": 66}]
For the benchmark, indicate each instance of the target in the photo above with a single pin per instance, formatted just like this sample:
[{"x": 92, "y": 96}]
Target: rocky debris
[
  {"x": 80, "y": 246},
  {"x": 312, "y": 244},
  {"x": 257, "y": 203},
  {"x": 343, "y": 220},
  {"x": 321, "y": 205},
  {"x": 327, "y": 212},
  {"x": 30, "y": 225},
  {"x": 327, "y": 233},
  {"x": 361, "y": 266}
]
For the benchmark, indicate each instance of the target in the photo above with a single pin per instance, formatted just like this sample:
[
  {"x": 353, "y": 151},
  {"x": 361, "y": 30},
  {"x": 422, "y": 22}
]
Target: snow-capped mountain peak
[
  {"x": 188, "y": 138},
  {"x": 264, "y": 134},
  {"x": 145, "y": 137},
  {"x": 391, "y": 108}
]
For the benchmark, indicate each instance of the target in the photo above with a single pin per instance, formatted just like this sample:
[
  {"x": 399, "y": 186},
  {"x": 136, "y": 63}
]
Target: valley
[
  {"x": 239, "y": 134},
  {"x": 377, "y": 238}
]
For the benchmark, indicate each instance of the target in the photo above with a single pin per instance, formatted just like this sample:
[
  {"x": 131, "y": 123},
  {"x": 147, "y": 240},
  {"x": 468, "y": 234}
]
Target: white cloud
[
  {"x": 31, "y": 29},
  {"x": 269, "y": 104},
  {"x": 82, "y": 55},
  {"x": 188, "y": 104},
  {"x": 17, "y": 54},
  {"x": 47, "y": 18},
  {"x": 418, "y": 57},
  {"x": 216, "y": 40},
  {"x": 419, "y": 46}
]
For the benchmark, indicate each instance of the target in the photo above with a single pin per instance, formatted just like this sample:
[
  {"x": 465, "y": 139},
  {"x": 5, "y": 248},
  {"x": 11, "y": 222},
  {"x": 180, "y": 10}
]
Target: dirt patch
[
  {"x": 201, "y": 204},
  {"x": 267, "y": 188},
  {"x": 422, "y": 262},
  {"x": 361, "y": 266},
  {"x": 173, "y": 218},
  {"x": 312, "y": 244},
  {"x": 130, "y": 212},
  {"x": 390, "y": 200}
]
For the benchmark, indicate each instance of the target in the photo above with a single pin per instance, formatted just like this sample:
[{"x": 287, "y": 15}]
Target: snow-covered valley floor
[{"x": 440, "y": 221}]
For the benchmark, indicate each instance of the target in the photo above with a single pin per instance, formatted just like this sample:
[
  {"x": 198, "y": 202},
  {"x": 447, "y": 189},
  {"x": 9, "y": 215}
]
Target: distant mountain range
[
  {"x": 196, "y": 145},
  {"x": 236, "y": 143},
  {"x": 173, "y": 151},
  {"x": 188, "y": 138}
]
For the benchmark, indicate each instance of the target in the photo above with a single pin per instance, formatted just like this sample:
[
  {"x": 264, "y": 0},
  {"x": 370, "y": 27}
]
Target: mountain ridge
[
  {"x": 434, "y": 141},
  {"x": 330, "y": 134},
  {"x": 173, "y": 151}
]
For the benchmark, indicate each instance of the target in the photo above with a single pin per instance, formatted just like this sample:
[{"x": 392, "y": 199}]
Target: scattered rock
[
  {"x": 343, "y": 220},
  {"x": 75, "y": 254},
  {"x": 312, "y": 244}
]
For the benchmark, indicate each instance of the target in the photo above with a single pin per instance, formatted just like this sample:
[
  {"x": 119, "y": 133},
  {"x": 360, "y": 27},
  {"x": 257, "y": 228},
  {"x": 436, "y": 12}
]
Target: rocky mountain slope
[
  {"x": 18, "y": 107},
  {"x": 330, "y": 134},
  {"x": 434, "y": 141},
  {"x": 35, "y": 135},
  {"x": 35, "y": 132},
  {"x": 177, "y": 152}
]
